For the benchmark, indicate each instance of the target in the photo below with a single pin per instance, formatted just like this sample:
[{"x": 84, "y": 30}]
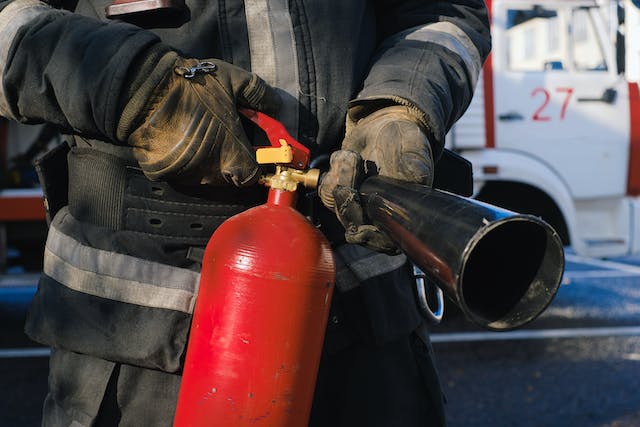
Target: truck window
[
  {"x": 586, "y": 49},
  {"x": 534, "y": 40}
]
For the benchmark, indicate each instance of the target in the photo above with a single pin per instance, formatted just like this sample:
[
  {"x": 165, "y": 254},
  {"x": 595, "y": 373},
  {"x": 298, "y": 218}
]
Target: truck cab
[
  {"x": 554, "y": 127},
  {"x": 22, "y": 214}
]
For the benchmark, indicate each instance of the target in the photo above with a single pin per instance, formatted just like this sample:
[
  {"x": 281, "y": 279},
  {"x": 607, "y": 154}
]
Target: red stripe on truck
[
  {"x": 21, "y": 207},
  {"x": 487, "y": 80},
  {"x": 489, "y": 120},
  {"x": 633, "y": 176}
]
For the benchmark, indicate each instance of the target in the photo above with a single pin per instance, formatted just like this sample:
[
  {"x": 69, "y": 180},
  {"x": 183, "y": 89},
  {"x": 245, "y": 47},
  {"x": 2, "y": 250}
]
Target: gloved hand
[
  {"x": 184, "y": 125},
  {"x": 390, "y": 142}
]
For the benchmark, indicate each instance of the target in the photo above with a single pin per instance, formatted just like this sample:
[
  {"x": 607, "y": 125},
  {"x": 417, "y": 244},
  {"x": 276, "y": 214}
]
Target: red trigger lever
[{"x": 278, "y": 138}]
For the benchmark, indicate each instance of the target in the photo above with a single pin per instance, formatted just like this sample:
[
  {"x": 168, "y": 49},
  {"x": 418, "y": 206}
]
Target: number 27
[{"x": 538, "y": 115}]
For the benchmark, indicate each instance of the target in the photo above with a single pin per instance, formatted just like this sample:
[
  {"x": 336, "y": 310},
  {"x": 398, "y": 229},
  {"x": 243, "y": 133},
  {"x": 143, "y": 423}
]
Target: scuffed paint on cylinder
[{"x": 259, "y": 320}]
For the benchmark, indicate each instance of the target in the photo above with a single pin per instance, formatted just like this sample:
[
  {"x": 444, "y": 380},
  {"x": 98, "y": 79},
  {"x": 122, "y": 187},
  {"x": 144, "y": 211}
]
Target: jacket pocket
[{"x": 111, "y": 305}]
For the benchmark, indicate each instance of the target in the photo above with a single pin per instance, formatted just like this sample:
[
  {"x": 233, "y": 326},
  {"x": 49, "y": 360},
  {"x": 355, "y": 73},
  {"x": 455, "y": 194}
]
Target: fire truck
[
  {"x": 554, "y": 126},
  {"x": 22, "y": 215},
  {"x": 553, "y": 130}
]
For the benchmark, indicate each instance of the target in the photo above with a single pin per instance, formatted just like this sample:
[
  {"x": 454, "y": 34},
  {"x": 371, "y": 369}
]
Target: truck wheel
[{"x": 525, "y": 199}]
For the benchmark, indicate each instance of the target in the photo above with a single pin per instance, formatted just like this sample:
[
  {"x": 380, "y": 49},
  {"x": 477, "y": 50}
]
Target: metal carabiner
[
  {"x": 423, "y": 303},
  {"x": 200, "y": 67}
]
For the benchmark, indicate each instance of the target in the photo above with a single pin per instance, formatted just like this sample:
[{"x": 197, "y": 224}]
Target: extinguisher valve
[{"x": 287, "y": 179}]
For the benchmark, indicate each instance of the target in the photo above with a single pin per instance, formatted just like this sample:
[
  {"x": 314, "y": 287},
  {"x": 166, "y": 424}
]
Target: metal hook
[
  {"x": 423, "y": 303},
  {"x": 201, "y": 67}
]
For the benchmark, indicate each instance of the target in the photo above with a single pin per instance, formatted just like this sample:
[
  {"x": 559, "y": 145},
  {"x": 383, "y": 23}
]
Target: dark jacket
[
  {"x": 121, "y": 290},
  {"x": 322, "y": 53}
]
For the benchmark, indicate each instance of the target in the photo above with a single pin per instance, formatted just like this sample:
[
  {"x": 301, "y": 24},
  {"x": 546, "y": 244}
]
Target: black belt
[{"x": 112, "y": 192}]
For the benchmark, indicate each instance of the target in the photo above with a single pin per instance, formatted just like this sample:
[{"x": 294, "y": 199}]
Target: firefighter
[{"x": 156, "y": 157}]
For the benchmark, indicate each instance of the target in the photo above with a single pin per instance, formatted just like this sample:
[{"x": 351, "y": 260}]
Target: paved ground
[{"x": 577, "y": 365}]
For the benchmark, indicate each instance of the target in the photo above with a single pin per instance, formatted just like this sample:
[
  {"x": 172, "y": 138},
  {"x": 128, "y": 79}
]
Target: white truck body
[{"x": 554, "y": 128}]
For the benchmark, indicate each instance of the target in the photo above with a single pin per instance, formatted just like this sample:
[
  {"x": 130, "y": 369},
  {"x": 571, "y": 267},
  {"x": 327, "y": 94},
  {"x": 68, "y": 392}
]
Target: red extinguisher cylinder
[{"x": 259, "y": 320}]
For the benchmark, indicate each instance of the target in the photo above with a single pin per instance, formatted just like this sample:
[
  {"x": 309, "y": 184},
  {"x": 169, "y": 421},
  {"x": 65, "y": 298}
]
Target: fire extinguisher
[{"x": 260, "y": 316}]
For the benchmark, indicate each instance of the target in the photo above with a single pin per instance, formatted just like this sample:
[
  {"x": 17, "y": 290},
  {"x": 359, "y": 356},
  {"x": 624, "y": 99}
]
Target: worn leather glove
[
  {"x": 185, "y": 128},
  {"x": 390, "y": 142}
]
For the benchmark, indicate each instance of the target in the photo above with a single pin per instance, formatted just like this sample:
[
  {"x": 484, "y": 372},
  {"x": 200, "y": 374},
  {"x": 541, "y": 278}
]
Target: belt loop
[{"x": 97, "y": 183}]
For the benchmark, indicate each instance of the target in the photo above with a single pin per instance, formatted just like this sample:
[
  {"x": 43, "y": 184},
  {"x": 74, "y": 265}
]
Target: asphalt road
[{"x": 577, "y": 365}]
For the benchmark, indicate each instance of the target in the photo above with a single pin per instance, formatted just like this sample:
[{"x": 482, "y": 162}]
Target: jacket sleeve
[
  {"x": 429, "y": 58},
  {"x": 68, "y": 70}
]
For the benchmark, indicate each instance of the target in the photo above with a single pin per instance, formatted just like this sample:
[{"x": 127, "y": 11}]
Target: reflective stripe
[
  {"x": 273, "y": 53},
  {"x": 451, "y": 37},
  {"x": 118, "y": 277},
  {"x": 12, "y": 18}
]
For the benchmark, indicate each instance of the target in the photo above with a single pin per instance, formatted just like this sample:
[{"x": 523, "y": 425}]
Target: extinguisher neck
[{"x": 282, "y": 197}]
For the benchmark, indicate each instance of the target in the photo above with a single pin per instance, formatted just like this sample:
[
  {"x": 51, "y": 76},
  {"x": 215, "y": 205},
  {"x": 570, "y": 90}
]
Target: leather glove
[
  {"x": 185, "y": 128},
  {"x": 390, "y": 142}
]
